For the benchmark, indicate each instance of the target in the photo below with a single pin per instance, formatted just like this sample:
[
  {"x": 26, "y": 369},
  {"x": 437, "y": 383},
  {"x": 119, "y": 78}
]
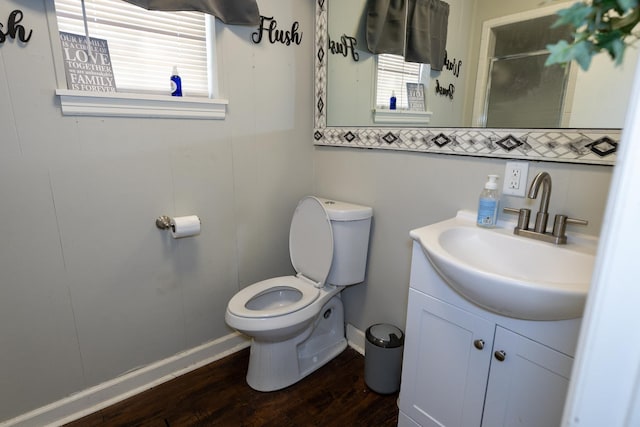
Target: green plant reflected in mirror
[{"x": 598, "y": 26}]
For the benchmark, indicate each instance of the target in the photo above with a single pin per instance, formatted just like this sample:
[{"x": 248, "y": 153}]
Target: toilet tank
[{"x": 350, "y": 224}]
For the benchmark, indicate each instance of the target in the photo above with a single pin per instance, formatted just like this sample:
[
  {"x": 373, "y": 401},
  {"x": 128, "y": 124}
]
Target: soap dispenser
[{"x": 488, "y": 203}]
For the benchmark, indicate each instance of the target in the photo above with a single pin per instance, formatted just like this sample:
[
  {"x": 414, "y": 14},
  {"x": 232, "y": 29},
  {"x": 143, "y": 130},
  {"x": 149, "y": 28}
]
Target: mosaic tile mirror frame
[{"x": 588, "y": 146}]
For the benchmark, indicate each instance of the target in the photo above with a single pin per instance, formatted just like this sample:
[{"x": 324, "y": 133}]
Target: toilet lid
[{"x": 311, "y": 240}]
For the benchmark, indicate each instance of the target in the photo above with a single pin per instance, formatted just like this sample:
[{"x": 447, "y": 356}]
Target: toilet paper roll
[{"x": 185, "y": 226}]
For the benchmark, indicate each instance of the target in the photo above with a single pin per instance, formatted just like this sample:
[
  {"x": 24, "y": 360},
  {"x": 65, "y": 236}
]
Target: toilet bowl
[
  {"x": 296, "y": 323},
  {"x": 274, "y": 309}
]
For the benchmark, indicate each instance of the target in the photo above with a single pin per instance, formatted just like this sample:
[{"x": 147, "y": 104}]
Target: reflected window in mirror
[
  {"x": 393, "y": 74},
  {"x": 408, "y": 83}
]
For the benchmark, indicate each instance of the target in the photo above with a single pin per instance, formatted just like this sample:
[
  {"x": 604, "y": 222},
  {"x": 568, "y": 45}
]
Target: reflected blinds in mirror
[{"x": 393, "y": 74}]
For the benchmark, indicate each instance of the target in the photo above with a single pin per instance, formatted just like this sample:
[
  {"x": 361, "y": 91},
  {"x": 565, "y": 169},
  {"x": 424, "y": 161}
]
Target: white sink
[{"x": 510, "y": 275}]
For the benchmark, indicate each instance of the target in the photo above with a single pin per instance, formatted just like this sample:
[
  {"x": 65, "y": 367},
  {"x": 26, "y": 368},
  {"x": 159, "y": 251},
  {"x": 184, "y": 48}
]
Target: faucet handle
[
  {"x": 523, "y": 216},
  {"x": 560, "y": 224},
  {"x": 511, "y": 210}
]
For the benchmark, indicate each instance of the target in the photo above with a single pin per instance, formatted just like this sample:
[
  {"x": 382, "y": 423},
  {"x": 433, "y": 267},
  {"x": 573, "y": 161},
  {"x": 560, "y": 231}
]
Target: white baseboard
[
  {"x": 355, "y": 338},
  {"x": 98, "y": 397}
]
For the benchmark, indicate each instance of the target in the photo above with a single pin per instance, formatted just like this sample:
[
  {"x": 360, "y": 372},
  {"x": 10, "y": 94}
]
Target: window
[{"x": 145, "y": 45}]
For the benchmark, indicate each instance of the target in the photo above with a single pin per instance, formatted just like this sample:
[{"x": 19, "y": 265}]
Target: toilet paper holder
[
  {"x": 180, "y": 226},
  {"x": 164, "y": 222}
]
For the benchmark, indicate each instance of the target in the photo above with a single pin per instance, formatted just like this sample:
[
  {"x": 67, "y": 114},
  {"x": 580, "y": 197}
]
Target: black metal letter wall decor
[
  {"x": 453, "y": 66},
  {"x": 445, "y": 91},
  {"x": 275, "y": 35},
  {"x": 14, "y": 28},
  {"x": 346, "y": 45}
]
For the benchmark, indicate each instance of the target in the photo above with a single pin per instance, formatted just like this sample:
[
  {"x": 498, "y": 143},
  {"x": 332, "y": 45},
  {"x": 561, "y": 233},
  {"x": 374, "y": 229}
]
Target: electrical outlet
[{"x": 515, "y": 178}]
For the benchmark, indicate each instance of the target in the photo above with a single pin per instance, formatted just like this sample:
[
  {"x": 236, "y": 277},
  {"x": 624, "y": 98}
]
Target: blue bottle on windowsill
[
  {"x": 392, "y": 101},
  {"x": 176, "y": 83}
]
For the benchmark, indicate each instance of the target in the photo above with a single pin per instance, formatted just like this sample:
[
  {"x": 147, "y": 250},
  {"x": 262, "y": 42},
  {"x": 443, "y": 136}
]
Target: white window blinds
[
  {"x": 393, "y": 74},
  {"x": 145, "y": 45}
]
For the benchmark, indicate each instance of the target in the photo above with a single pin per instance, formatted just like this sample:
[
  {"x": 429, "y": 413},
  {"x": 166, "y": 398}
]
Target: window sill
[
  {"x": 401, "y": 116},
  {"x": 79, "y": 103}
]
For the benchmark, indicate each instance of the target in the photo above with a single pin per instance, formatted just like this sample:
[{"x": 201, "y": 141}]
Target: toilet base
[{"x": 276, "y": 365}]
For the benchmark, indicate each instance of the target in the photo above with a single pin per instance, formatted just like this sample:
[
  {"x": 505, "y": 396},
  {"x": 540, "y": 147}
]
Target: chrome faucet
[
  {"x": 539, "y": 232},
  {"x": 544, "y": 179}
]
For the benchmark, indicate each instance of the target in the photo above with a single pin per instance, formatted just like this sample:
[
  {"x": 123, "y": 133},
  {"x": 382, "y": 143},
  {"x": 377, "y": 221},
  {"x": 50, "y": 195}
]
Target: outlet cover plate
[{"x": 515, "y": 178}]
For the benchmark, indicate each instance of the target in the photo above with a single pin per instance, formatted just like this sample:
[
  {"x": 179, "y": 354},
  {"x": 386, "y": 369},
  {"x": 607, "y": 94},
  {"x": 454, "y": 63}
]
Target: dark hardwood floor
[{"x": 218, "y": 395}]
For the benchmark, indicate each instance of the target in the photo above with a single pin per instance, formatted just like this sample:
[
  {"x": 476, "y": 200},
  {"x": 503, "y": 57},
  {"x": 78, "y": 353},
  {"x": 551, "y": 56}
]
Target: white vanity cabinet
[
  {"x": 464, "y": 366},
  {"x": 528, "y": 383},
  {"x": 444, "y": 375}
]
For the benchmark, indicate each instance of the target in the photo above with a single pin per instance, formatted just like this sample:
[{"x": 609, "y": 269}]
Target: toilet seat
[{"x": 238, "y": 305}]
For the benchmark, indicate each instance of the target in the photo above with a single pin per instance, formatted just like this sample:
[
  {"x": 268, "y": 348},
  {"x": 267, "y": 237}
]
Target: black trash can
[{"x": 383, "y": 358}]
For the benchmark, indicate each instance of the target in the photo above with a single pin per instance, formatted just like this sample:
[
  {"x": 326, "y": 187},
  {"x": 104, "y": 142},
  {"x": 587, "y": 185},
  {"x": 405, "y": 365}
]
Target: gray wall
[
  {"x": 89, "y": 288},
  {"x": 410, "y": 190}
]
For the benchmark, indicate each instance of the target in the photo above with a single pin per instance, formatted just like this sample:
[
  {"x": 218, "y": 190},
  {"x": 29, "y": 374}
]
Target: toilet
[{"x": 296, "y": 323}]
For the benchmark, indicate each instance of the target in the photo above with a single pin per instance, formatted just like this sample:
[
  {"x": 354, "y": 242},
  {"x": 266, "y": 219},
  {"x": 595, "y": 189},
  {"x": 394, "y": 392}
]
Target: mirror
[
  {"x": 575, "y": 145},
  {"x": 455, "y": 96}
]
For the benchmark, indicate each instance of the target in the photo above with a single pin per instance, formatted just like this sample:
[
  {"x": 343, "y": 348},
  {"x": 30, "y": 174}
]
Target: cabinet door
[
  {"x": 528, "y": 387},
  {"x": 446, "y": 363}
]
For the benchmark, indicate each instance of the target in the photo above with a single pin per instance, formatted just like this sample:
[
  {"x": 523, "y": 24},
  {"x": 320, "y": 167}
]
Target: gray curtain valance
[
  {"x": 386, "y": 26},
  {"x": 234, "y": 12},
  {"x": 415, "y": 29}
]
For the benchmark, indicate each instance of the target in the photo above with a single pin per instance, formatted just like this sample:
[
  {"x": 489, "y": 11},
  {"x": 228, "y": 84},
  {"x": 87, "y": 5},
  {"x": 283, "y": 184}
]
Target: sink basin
[{"x": 507, "y": 274}]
